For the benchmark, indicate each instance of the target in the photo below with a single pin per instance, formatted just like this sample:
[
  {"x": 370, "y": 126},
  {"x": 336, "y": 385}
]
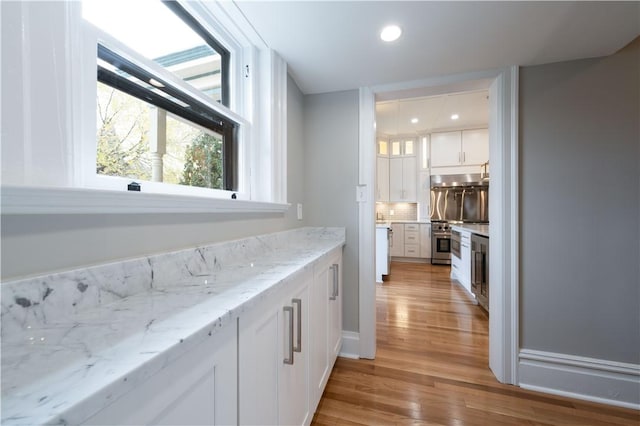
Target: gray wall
[
  {"x": 331, "y": 163},
  {"x": 37, "y": 244},
  {"x": 580, "y": 162}
]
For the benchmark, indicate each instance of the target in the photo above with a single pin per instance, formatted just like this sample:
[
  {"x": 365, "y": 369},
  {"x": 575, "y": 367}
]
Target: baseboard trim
[
  {"x": 590, "y": 379},
  {"x": 350, "y": 345}
]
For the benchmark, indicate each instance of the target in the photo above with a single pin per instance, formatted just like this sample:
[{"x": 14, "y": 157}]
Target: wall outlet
[
  {"x": 299, "y": 211},
  {"x": 391, "y": 212}
]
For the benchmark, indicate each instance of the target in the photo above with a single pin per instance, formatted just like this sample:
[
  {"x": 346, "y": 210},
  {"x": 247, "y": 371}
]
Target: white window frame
[{"x": 257, "y": 103}]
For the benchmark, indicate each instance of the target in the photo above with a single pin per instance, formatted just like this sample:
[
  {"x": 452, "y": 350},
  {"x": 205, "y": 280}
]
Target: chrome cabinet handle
[
  {"x": 336, "y": 280},
  {"x": 333, "y": 282},
  {"x": 298, "y": 346},
  {"x": 289, "y": 359}
]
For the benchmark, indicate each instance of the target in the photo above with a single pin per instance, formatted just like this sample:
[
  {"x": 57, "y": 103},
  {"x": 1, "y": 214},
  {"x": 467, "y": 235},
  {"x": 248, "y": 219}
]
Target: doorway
[{"x": 503, "y": 208}]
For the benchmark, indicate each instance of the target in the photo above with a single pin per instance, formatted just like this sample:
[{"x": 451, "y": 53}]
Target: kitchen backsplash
[{"x": 401, "y": 211}]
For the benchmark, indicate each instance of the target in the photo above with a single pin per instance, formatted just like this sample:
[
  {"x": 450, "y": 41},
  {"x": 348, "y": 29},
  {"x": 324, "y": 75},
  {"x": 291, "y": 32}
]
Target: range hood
[{"x": 461, "y": 180}]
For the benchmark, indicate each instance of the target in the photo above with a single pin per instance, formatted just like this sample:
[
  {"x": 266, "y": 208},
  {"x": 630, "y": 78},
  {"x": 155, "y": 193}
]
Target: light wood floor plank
[{"x": 431, "y": 367}]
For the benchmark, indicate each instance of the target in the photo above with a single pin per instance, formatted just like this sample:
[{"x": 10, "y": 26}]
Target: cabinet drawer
[
  {"x": 411, "y": 237},
  {"x": 411, "y": 250},
  {"x": 411, "y": 227}
]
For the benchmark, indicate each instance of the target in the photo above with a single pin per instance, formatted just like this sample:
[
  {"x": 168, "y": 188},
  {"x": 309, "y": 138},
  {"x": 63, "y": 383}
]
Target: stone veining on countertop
[{"x": 102, "y": 330}]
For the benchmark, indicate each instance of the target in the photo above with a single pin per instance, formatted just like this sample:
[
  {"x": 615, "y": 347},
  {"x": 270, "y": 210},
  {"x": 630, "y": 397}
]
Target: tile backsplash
[{"x": 401, "y": 211}]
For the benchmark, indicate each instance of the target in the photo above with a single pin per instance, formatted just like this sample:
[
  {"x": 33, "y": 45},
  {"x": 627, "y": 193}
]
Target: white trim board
[
  {"x": 37, "y": 200},
  {"x": 590, "y": 379},
  {"x": 350, "y": 345}
]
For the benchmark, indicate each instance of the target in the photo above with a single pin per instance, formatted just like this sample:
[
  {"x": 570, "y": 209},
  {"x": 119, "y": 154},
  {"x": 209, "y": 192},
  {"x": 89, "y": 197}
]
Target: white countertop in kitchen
[
  {"x": 480, "y": 229},
  {"x": 387, "y": 223},
  {"x": 74, "y": 341}
]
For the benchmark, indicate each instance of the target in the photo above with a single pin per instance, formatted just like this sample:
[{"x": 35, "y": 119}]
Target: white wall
[
  {"x": 37, "y": 244},
  {"x": 331, "y": 173},
  {"x": 580, "y": 207}
]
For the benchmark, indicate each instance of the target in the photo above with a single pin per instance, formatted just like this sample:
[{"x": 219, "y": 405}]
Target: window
[
  {"x": 160, "y": 75},
  {"x": 222, "y": 124}
]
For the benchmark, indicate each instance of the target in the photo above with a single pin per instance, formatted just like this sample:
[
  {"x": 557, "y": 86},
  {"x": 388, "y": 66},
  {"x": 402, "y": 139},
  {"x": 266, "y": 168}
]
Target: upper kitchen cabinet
[
  {"x": 402, "y": 180},
  {"x": 382, "y": 179},
  {"x": 403, "y": 147},
  {"x": 460, "y": 148},
  {"x": 423, "y": 153},
  {"x": 475, "y": 146},
  {"x": 382, "y": 147}
]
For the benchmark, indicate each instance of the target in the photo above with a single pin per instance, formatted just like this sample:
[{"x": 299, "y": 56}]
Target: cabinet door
[
  {"x": 465, "y": 260},
  {"x": 293, "y": 379},
  {"x": 425, "y": 241},
  {"x": 424, "y": 196},
  {"x": 382, "y": 179},
  {"x": 335, "y": 309},
  {"x": 395, "y": 179},
  {"x": 446, "y": 149},
  {"x": 475, "y": 146},
  {"x": 259, "y": 363},
  {"x": 199, "y": 388},
  {"x": 319, "y": 369},
  {"x": 397, "y": 240},
  {"x": 409, "y": 179}
]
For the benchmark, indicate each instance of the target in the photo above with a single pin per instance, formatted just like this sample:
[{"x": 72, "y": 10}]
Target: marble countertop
[
  {"x": 66, "y": 355},
  {"x": 480, "y": 229},
  {"x": 389, "y": 222}
]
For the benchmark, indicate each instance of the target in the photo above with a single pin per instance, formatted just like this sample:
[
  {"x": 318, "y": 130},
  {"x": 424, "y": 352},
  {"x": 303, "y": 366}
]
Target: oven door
[{"x": 441, "y": 248}]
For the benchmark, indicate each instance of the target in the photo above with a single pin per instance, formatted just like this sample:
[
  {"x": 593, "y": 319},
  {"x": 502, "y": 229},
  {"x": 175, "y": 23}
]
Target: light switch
[{"x": 299, "y": 211}]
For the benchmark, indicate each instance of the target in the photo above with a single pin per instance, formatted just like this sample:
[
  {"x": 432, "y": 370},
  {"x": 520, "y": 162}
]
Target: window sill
[{"x": 41, "y": 200}]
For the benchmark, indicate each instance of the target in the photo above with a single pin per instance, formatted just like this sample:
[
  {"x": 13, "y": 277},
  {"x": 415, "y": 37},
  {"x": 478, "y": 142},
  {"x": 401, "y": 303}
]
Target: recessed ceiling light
[
  {"x": 455, "y": 116},
  {"x": 390, "y": 33},
  {"x": 414, "y": 120}
]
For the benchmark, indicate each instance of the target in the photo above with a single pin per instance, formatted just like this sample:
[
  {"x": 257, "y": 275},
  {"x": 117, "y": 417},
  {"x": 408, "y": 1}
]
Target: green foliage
[
  {"x": 203, "y": 162},
  {"x": 123, "y": 147}
]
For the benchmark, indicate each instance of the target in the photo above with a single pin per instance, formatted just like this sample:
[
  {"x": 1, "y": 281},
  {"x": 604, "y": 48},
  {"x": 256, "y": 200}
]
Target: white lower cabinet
[
  {"x": 273, "y": 358},
  {"x": 269, "y": 366},
  {"x": 198, "y": 388},
  {"x": 277, "y": 386},
  {"x": 325, "y": 324},
  {"x": 425, "y": 241}
]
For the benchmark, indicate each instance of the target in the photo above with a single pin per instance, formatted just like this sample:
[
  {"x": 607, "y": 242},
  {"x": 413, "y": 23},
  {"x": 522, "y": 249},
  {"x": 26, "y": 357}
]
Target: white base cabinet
[
  {"x": 198, "y": 388},
  {"x": 278, "y": 386},
  {"x": 273, "y": 358},
  {"x": 269, "y": 366}
]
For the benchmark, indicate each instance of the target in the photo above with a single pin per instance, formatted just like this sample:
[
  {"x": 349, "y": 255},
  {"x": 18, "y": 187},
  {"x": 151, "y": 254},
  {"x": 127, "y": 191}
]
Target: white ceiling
[
  {"x": 433, "y": 113},
  {"x": 334, "y": 45}
]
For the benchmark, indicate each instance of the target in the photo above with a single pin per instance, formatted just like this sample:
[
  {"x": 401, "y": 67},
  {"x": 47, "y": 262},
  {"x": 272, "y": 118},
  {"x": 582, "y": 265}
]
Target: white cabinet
[
  {"x": 397, "y": 240},
  {"x": 273, "y": 357},
  {"x": 465, "y": 260},
  {"x": 461, "y": 266},
  {"x": 445, "y": 149},
  {"x": 460, "y": 148},
  {"x": 402, "y": 180},
  {"x": 475, "y": 146},
  {"x": 325, "y": 324},
  {"x": 403, "y": 147},
  {"x": 382, "y": 179},
  {"x": 425, "y": 240},
  {"x": 198, "y": 388},
  {"x": 411, "y": 240},
  {"x": 288, "y": 344},
  {"x": 335, "y": 309},
  {"x": 382, "y": 253}
]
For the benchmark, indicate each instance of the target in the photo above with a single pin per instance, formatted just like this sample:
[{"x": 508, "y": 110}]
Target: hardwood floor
[{"x": 431, "y": 367}]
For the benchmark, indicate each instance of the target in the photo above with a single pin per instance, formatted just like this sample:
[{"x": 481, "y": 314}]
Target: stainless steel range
[
  {"x": 440, "y": 243},
  {"x": 455, "y": 199}
]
